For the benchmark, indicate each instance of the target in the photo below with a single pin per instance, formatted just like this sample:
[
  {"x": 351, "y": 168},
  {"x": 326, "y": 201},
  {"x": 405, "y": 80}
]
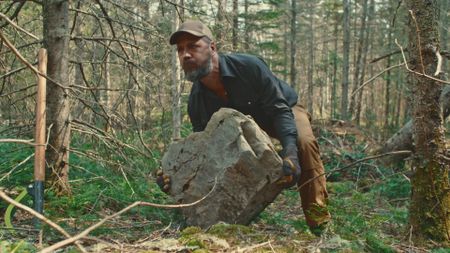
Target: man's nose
[{"x": 185, "y": 54}]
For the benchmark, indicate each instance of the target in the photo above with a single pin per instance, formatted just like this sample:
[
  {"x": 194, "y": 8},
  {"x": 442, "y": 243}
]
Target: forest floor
[{"x": 368, "y": 202}]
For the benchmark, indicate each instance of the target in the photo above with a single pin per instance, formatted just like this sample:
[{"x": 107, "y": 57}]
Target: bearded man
[{"x": 245, "y": 83}]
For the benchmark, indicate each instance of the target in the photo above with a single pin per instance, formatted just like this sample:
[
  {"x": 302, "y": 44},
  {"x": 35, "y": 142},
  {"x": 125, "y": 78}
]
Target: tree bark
[
  {"x": 293, "y": 72},
  {"x": 403, "y": 139},
  {"x": 345, "y": 61},
  {"x": 235, "y": 24},
  {"x": 311, "y": 60},
  {"x": 367, "y": 45},
  {"x": 56, "y": 41},
  {"x": 430, "y": 199},
  {"x": 176, "y": 102},
  {"x": 358, "y": 62}
]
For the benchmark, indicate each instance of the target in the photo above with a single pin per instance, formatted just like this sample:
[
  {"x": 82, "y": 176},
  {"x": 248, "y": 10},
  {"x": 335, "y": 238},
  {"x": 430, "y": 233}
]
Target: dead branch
[
  {"x": 374, "y": 77},
  {"x": 252, "y": 247},
  {"x": 98, "y": 224},
  {"x": 41, "y": 217},
  {"x": 418, "y": 73},
  {"x": 419, "y": 43},
  {"x": 24, "y": 61},
  {"x": 18, "y": 27},
  {"x": 6, "y": 175},
  {"x": 355, "y": 163},
  {"x": 28, "y": 142},
  {"x": 103, "y": 38}
]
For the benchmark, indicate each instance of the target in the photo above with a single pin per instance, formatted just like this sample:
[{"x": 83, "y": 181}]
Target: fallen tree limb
[
  {"x": 403, "y": 140},
  {"x": 355, "y": 163}
]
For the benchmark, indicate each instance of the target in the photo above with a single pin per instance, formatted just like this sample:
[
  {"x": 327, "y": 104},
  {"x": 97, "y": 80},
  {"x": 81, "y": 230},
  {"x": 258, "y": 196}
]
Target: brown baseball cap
[{"x": 193, "y": 27}]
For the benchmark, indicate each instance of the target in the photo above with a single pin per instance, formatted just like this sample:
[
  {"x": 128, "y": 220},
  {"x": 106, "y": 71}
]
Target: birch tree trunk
[
  {"x": 56, "y": 41},
  {"x": 430, "y": 200}
]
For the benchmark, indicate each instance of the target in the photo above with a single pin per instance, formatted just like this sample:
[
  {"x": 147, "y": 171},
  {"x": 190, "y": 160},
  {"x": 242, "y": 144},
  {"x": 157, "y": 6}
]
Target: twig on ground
[
  {"x": 249, "y": 248},
  {"x": 98, "y": 224},
  {"x": 41, "y": 217}
]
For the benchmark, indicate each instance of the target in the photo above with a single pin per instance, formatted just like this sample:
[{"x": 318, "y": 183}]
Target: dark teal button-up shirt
[{"x": 251, "y": 89}]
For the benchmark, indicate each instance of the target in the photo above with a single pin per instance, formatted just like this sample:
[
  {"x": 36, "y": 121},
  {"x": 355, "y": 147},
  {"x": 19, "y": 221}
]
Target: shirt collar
[{"x": 225, "y": 68}]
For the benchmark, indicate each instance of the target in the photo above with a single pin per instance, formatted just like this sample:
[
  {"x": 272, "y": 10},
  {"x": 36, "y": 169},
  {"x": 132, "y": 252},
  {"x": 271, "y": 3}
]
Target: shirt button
[{"x": 249, "y": 102}]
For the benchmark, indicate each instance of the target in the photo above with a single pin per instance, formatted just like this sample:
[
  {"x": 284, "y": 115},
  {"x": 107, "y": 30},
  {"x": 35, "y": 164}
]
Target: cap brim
[{"x": 174, "y": 37}]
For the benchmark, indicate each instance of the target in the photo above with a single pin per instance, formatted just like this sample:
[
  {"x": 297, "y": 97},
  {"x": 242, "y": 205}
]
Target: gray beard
[{"x": 199, "y": 73}]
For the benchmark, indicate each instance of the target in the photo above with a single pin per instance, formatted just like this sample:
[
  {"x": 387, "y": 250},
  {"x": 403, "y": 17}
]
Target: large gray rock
[{"x": 236, "y": 154}]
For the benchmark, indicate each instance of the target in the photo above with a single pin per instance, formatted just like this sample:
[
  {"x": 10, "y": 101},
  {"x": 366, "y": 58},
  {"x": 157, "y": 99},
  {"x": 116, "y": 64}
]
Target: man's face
[{"x": 195, "y": 55}]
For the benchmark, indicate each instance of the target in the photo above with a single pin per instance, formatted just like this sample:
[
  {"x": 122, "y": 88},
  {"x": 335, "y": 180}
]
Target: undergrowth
[{"x": 368, "y": 202}]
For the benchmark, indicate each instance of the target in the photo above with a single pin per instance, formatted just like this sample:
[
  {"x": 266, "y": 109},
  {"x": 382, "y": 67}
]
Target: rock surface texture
[{"x": 237, "y": 156}]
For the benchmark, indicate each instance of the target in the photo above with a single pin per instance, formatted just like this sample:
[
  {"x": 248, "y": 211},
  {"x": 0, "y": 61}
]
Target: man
[{"x": 245, "y": 83}]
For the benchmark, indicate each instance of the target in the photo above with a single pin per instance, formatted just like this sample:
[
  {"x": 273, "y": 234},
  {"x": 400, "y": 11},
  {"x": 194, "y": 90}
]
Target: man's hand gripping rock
[
  {"x": 291, "y": 167},
  {"x": 163, "y": 181}
]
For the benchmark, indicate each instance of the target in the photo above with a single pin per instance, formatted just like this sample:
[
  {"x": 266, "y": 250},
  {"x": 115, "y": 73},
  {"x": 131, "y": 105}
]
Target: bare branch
[
  {"x": 18, "y": 27},
  {"x": 374, "y": 77},
  {"x": 355, "y": 163},
  {"x": 415, "y": 72},
  {"x": 95, "y": 226},
  {"x": 41, "y": 217}
]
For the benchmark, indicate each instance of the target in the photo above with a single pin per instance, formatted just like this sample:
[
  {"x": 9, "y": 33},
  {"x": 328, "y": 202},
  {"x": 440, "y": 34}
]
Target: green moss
[
  {"x": 227, "y": 230},
  {"x": 374, "y": 244},
  {"x": 190, "y": 231},
  {"x": 195, "y": 242}
]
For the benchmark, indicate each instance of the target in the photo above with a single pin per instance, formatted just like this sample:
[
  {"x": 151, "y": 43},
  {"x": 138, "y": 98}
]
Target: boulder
[{"x": 233, "y": 154}]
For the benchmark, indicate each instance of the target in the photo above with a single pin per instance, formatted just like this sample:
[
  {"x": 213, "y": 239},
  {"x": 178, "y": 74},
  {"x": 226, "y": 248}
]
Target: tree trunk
[
  {"x": 358, "y": 61},
  {"x": 430, "y": 200},
  {"x": 293, "y": 71},
  {"x": 235, "y": 25},
  {"x": 311, "y": 60},
  {"x": 444, "y": 7},
  {"x": 220, "y": 24},
  {"x": 56, "y": 41},
  {"x": 367, "y": 47},
  {"x": 176, "y": 102},
  {"x": 403, "y": 140},
  {"x": 247, "y": 26},
  {"x": 345, "y": 61},
  {"x": 334, "y": 103}
]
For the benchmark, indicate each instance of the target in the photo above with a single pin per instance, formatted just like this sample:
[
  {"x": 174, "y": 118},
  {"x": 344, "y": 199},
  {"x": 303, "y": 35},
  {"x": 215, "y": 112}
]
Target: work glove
[
  {"x": 163, "y": 181},
  {"x": 291, "y": 167}
]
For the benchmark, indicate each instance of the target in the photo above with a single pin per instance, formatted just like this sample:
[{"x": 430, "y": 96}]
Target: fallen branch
[
  {"x": 98, "y": 224},
  {"x": 41, "y": 217},
  {"x": 28, "y": 142},
  {"x": 354, "y": 163},
  {"x": 239, "y": 250}
]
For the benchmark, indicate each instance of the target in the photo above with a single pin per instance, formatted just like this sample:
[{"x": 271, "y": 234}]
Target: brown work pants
[{"x": 313, "y": 194}]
